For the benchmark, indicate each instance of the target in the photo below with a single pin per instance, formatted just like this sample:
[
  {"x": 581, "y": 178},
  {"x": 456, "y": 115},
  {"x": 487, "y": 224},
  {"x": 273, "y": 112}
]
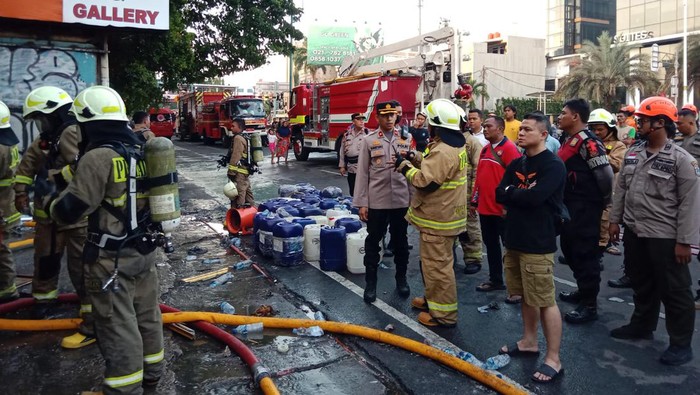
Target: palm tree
[
  {"x": 603, "y": 69},
  {"x": 300, "y": 64}
]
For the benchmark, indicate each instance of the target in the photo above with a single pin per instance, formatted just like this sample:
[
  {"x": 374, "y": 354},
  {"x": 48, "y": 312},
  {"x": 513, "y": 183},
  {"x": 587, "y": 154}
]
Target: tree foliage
[
  {"x": 605, "y": 68},
  {"x": 207, "y": 39}
]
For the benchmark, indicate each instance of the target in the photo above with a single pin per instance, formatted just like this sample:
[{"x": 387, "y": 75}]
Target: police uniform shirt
[
  {"x": 377, "y": 185},
  {"x": 658, "y": 195},
  {"x": 692, "y": 145},
  {"x": 350, "y": 148}
]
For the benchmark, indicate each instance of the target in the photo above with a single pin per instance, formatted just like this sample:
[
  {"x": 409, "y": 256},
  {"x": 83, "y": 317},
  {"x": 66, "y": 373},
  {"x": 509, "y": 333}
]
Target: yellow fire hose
[{"x": 492, "y": 380}]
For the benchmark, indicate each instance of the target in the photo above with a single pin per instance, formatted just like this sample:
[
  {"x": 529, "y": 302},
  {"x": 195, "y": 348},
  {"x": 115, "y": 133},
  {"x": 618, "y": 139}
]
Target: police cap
[
  {"x": 358, "y": 115},
  {"x": 386, "y": 108}
]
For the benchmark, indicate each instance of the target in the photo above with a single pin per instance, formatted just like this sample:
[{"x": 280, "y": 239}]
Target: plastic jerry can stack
[
  {"x": 355, "y": 250},
  {"x": 332, "y": 257},
  {"x": 287, "y": 244},
  {"x": 327, "y": 204},
  {"x": 309, "y": 211},
  {"x": 319, "y": 219},
  {"x": 265, "y": 235},
  {"x": 257, "y": 220},
  {"x": 312, "y": 243},
  {"x": 304, "y": 222}
]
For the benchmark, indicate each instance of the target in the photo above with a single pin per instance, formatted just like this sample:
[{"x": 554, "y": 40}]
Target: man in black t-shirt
[
  {"x": 420, "y": 133},
  {"x": 531, "y": 186}
]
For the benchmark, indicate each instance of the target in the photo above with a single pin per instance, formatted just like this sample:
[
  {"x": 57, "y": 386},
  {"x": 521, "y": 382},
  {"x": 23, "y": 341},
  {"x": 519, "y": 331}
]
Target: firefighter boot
[
  {"x": 77, "y": 340},
  {"x": 401, "y": 283},
  {"x": 370, "y": 294}
]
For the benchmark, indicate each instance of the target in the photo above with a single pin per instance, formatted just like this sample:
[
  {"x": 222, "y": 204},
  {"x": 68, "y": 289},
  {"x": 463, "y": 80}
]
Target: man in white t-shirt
[{"x": 475, "y": 117}]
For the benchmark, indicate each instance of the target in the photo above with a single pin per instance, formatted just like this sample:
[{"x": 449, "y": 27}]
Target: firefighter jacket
[
  {"x": 9, "y": 158},
  {"x": 239, "y": 156},
  {"x": 615, "y": 150},
  {"x": 350, "y": 148},
  {"x": 439, "y": 205},
  {"x": 473, "y": 147},
  {"x": 101, "y": 177},
  {"x": 692, "y": 145},
  {"x": 46, "y": 165},
  {"x": 144, "y": 134},
  {"x": 377, "y": 185},
  {"x": 658, "y": 196}
]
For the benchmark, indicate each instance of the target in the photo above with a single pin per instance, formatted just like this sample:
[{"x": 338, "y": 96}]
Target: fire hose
[{"x": 492, "y": 380}]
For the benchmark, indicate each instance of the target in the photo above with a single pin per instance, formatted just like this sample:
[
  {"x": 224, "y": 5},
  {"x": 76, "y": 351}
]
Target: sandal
[
  {"x": 547, "y": 371},
  {"x": 514, "y": 350},
  {"x": 489, "y": 286},
  {"x": 514, "y": 299},
  {"x": 613, "y": 250}
]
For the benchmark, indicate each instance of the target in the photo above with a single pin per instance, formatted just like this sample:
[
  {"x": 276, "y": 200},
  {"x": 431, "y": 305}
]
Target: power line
[
  {"x": 514, "y": 72},
  {"x": 515, "y": 82}
]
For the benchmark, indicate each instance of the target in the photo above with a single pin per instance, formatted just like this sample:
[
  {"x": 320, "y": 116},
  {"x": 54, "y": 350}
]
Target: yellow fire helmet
[
  {"x": 45, "y": 99},
  {"x": 99, "y": 103}
]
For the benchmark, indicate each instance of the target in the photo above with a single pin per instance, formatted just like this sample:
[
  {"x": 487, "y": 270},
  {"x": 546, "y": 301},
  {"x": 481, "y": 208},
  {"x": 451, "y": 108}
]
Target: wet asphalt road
[{"x": 593, "y": 361}]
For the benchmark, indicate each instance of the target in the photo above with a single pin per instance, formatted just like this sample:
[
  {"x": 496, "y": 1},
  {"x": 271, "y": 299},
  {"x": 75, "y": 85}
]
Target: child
[{"x": 271, "y": 140}]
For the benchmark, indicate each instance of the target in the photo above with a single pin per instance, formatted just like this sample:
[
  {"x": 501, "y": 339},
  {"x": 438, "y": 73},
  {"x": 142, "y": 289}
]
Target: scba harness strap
[{"x": 135, "y": 223}]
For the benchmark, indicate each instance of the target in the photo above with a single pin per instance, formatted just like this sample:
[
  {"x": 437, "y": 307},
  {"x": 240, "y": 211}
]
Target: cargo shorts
[{"x": 530, "y": 275}]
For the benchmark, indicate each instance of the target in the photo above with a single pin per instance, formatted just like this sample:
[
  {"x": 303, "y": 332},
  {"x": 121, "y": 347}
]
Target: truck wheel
[{"x": 301, "y": 153}]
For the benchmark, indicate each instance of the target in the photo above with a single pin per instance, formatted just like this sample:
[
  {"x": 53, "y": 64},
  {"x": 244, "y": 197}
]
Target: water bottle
[
  {"x": 469, "y": 357},
  {"x": 211, "y": 261},
  {"x": 248, "y": 328},
  {"x": 223, "y": 279},
  {"x": 226, "y": 308},
  {"x": 282, "y": 213},
  {"x": 266, "y": 213},
  {"x": 242, "y": 264},
  {"x": 497, "y": 362},
  {"x": 235, "y": 241},
  {"x": 312, "y": 331},
  {"x": 318, "y": 316}
]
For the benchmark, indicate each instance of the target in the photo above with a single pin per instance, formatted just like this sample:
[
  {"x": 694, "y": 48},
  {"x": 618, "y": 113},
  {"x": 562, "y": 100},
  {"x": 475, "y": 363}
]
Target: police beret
[
  {"x": 388, "y": 107},
  {"x": 358, "y": 115}
]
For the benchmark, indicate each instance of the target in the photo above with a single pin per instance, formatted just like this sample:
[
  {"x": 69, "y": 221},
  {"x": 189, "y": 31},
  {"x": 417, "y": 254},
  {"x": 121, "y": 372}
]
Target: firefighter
[
  {"x": 48, "y": 164},
  {"x": 350, "y": 148},
  {"x": 142, "y": 125},
  {"x": 471, "y": 239},
  {"x": 120, "y": 260},
  {"x": 238, "y": 167},
  {"x": 9, "y": 158},
  {"x": 657, "y": 198},
  {"x": 382, "y": 197},
  {"x": 439, "y": 209}
]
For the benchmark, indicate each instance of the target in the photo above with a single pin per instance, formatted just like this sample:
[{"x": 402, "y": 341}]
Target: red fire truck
[
  {"x": 320, "y": 113},
  {"x": 216, "y": 118},
  {"x": 162, "y": 122},
  {"x": 191, "y": 104}
]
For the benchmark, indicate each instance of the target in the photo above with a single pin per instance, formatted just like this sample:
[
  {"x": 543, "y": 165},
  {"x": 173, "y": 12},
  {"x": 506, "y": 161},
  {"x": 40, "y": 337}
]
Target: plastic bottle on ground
[
  {"x": 248, "y": 328},
  {"x": 243, "y": 264},
  {"x": 312, "y": 331},
  {"x": 318, "y": 316},
  {"x": 497, "y": 362},
  {"x": 223, "y": 279},
  {"x": 226, "y": 308},
  {"x": 211, "y": 261}
]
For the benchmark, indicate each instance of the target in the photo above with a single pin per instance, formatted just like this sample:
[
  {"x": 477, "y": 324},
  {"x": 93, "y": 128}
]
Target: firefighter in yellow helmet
[
  {"x": 120, "y": 255},
  {"x": 239, "y": 166},
  {"x": 439, "y": 209},
  {"x": 48, "y": 164},
  {"x": 9, "y": 158}
]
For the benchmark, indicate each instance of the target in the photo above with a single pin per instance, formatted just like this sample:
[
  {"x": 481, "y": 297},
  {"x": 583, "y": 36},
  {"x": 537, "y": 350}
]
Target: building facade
[{"x": 571, "y": 22}]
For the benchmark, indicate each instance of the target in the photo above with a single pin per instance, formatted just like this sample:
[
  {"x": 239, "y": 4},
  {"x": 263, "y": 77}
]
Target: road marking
[{"x": 432, "y": 337}]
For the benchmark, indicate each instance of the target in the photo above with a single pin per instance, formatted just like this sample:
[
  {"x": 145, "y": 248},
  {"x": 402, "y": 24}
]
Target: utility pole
[{"x": 685, "y": 52}]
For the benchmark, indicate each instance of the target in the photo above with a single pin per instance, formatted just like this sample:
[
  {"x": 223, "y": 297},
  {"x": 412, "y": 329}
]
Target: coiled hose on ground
[{"x": 493, "y": 380}]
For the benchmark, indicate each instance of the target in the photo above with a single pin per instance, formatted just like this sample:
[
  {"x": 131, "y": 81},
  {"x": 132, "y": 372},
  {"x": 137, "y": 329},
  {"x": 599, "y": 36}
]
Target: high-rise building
[{"x": 571, "y": 22}]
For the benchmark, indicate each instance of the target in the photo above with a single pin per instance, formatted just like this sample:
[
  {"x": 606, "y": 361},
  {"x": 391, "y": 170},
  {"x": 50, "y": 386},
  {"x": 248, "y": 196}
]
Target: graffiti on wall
[{"x": 23, "y": 69}]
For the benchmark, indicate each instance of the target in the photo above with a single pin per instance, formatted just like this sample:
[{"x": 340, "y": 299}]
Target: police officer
[
  {"x": 586, "y": 193},
  {"x": 439, "y": 209},
  {"x": 657, "y": 198},
  {"x": 238, "y": 167},
  {"x": 120, "y": 259},
  {"x": 350, "y": 148},
  {"x": 9, "y": 158},
  {"x": 382, "y": 197},
  {"x": 471, "y": 239},
  {"x": 48, "y": 164}
]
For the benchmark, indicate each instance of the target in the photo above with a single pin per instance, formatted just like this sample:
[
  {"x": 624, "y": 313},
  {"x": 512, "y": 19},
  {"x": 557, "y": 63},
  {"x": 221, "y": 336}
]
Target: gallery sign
[{"x": 139, "y": 14}]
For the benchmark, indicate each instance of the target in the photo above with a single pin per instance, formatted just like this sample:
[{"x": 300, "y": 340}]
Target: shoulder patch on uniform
[
  {"x": 574, "y": 141},
  {"x": 582, "y": 134},
  {"x": 695, "y": 166}
]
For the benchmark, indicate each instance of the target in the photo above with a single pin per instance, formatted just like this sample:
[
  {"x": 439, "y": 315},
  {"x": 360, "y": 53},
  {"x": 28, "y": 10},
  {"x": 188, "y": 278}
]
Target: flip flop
[
  {"x": 489, "y": 286},
  {"x": 547, "y": 371},
  {"x": 514, "y": 299},
  {"x": 513, "y": 350}
]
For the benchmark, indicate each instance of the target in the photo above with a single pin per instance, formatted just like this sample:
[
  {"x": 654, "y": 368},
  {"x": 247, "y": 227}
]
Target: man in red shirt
[{"x": 494, "y": 158}]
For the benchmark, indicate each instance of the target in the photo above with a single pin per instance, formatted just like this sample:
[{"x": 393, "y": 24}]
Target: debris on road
[
  {"x": 221, "y": 280},
  {"x": 205, "y": 276},
  {"x": 197, "y": 250},
  {"x": 490, "y": 306},
  {"x": 312, "y": 331},
  {"x": 616, "y": 299},
  {"x": 389, "y": 328},
  {"x": 264, "y": 311}
]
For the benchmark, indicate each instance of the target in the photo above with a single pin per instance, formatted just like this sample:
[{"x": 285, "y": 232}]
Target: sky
[{"x": 478, "y": 17}]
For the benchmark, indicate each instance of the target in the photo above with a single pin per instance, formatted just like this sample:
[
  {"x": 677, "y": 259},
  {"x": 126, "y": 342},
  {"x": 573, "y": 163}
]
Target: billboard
[
  {"x": 328, "y": 45},
  {"x": 139, "y": 14}
]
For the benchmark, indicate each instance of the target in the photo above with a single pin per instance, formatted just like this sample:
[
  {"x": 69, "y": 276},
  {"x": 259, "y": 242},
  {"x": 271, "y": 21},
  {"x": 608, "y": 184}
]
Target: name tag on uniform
[
  {"x": 631, "y": 161},
  {"x": 664, "y": 165}
]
